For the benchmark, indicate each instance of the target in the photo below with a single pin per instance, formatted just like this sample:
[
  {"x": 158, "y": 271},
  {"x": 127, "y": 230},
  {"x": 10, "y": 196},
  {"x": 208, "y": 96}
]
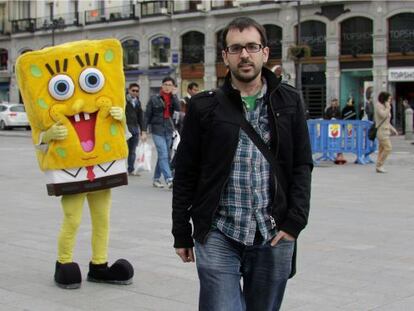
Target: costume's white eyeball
[
  {"x": 61, "y": 87},
  {"x": 91, "y": 80}
]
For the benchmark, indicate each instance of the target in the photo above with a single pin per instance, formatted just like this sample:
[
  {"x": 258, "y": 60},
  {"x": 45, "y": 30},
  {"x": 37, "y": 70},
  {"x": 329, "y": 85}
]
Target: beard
[{"x": 238, "y": 74}]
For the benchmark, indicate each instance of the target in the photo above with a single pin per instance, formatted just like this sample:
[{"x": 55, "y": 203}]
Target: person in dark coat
[
  {"x": 242, "y": 216},
  {"x": 348, "y": 112},
  {"x": 134, "y": 120},
  {"x": 333, "y": 111},
  {"x": 158, "y": 115}
]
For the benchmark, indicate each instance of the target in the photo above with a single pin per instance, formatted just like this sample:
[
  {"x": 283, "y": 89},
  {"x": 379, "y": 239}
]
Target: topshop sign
[{"x": 400, "y": 74}]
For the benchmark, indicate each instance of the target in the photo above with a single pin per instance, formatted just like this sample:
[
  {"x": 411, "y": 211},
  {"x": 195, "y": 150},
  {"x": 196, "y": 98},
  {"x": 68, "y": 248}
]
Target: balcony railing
[
  {"x": 156, "y": 8},
  {"x": 120, "y": 13},
  {"x": 23, "y": 25},
  {"x": 59, "y": 21},
  {"x": 111, "y": 14},
  {"x": 255, "y": 2},
  {"x": 189, "y": 7},
  {"x": 226, "y": 4}
]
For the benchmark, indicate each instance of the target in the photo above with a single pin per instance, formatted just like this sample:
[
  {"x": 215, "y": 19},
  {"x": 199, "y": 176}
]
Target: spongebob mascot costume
[{"x": 74, "y": 98}]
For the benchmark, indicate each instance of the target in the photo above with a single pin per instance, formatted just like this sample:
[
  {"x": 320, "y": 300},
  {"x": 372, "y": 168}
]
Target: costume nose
[{"x": 78, "y": 105}]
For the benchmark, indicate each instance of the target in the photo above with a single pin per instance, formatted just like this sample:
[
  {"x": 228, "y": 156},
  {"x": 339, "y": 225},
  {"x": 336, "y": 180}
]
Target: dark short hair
[
  {"x": 383, "y": 97},
  {"x": 191, "y": 85},
  {"x": 166, "y": 79},
  {"x": 242, "y": 23},
  {"x": 133, "y": 85}
]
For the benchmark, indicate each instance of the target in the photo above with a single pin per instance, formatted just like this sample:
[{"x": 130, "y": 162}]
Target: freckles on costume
[{"x": 76, "y": 87}]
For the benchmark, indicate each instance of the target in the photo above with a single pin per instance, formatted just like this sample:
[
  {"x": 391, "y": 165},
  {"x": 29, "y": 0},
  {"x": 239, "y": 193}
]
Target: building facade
[{"x": 355, "y": 48}]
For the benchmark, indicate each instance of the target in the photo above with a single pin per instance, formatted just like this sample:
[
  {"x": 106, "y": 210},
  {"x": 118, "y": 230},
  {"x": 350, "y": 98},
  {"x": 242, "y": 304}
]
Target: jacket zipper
[
  {"x": 272, "y": 220},
  {"x": 217, "y": 204}
]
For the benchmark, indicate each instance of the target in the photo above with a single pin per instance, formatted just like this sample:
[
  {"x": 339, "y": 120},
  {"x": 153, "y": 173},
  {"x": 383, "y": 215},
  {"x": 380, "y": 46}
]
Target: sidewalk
[{"x": 356, "y": 253}]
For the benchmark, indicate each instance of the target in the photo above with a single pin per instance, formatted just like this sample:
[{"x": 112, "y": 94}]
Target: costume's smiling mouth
[{"x": 84, "y": 125}]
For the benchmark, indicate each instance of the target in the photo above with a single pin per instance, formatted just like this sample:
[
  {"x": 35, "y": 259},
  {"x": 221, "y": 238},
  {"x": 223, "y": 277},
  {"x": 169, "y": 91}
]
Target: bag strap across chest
[{"x": 248, "y": 129}]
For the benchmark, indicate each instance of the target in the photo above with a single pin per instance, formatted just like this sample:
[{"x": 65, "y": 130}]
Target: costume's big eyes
[
  {"x": 91, "y": 80},
  {"x": 61, "y": 87}
]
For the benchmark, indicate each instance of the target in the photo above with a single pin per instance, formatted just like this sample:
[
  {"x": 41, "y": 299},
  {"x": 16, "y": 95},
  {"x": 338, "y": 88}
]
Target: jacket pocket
[{"x": 285, "y": 111}]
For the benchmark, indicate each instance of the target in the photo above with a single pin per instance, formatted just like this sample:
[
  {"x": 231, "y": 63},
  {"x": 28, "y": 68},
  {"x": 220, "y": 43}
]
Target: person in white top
[{"x": 382, "y": 116}]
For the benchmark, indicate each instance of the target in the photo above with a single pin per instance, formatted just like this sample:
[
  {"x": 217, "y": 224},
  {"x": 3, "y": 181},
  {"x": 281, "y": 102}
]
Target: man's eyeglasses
[
  {"x": 135, "y": 90},
  {"x": 237, "y": 48}
]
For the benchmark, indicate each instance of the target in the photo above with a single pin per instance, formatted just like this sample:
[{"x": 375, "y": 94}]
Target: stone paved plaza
[{"x": 356, "y": 253}]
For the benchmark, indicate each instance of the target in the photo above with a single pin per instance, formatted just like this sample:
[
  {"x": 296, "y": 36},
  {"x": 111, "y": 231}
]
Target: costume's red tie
[{"x": 90, "y": 175}]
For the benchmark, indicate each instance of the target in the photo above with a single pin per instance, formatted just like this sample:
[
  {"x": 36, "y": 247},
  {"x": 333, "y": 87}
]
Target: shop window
[
  {"x": 131, "y": 53},
  {"x": 401, "y": 33},
  {"x": 160, "y": 51},
  {"x": 313, "y": 34},
  {"x": 192, "y": 47},
  {"x": 274, "y": 41},
  {"x": 3, "y": 59},
  {"x": 356, "y": 36}
]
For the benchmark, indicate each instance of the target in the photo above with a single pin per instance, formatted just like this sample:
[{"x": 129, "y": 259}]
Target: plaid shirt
[{"x": 245, "y": 200}]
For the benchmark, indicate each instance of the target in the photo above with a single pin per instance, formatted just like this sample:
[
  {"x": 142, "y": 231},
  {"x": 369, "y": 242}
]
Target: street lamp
[{"x": 55, "y": 23}]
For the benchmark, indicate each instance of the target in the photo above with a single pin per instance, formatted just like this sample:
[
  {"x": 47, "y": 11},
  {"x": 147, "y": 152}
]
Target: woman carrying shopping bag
[{"x": 160, "y": 109}]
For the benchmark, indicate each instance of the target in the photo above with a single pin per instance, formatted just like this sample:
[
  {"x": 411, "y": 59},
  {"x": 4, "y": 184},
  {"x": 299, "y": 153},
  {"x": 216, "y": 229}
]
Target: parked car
[{"x": 13, "y": 115}]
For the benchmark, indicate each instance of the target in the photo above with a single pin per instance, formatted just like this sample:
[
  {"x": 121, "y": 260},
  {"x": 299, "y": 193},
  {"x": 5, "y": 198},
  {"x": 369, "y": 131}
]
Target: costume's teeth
[
  {"x": 86, "y": 116},
  {"x": 77, "y": 117}
]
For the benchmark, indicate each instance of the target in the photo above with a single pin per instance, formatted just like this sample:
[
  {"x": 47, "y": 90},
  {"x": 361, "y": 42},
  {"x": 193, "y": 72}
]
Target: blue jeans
[
  {"x": 222, "y": 262},
  {"x": 132, "y": 146},
  {"x": 163, "y": 143}
]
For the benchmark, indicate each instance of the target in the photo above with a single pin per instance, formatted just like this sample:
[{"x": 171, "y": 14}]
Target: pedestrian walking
[
  {"x": 134, "y": 120},
  {"x": 158, "y": 115},
  {"x": 247, "y": 211},
  {"x": 382, "y": 117}
]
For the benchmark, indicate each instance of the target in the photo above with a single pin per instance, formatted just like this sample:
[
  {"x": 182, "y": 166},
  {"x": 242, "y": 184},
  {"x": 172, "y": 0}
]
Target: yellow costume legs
[
  {"x": 72, "y": 215},
  {"x": 99, "y": 206}
]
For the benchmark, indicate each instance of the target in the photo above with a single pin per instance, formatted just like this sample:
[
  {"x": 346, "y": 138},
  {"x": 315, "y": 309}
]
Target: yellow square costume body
[{"x": 74, "y": 98}]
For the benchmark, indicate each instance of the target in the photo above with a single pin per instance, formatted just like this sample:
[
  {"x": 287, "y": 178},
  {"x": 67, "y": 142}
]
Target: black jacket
[
  {"x": 134, "y": 117},
  {"x": 208, "y": 144},
  {"x": 332, "y": 113},
  {"x": 348, "y": 113},
  {"x": 154, "y": 115}
]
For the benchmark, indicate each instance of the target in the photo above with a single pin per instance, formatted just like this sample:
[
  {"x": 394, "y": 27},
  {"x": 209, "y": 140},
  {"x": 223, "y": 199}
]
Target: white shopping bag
[
  {"x": 175, "y": 142},
  {"x": 143, "y": 160}
]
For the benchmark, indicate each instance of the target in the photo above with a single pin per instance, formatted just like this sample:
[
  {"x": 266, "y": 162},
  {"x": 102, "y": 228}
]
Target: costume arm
[{"x": 117, "y": 113}]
